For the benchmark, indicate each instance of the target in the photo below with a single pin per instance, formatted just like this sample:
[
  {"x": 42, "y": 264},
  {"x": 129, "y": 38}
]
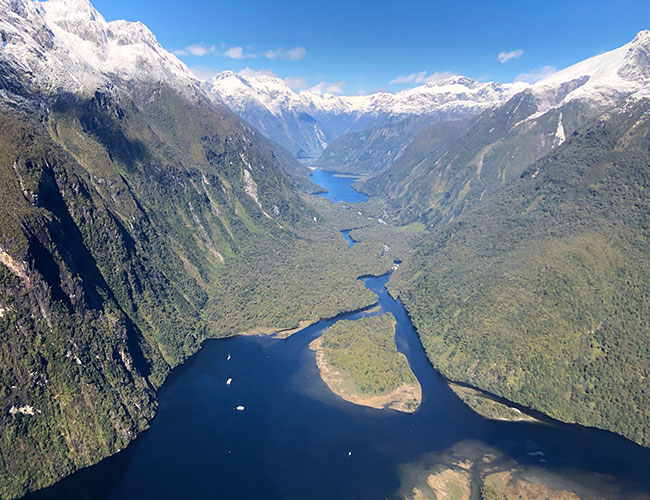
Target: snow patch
[
  {"x": 559, "y": 133},
  {"x": 23, "y": 410},
  {"x": 601, "y": 80}
]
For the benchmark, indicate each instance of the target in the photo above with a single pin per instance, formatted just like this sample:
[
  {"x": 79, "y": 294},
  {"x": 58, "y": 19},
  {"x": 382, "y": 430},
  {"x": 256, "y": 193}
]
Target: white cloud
[
  {"x": 294, "y": 54},
  {"x": 504, "y": 57},
  {"x": 252, "y": 73},
  {"x": 234, "y": 52},
  {"x": 195, "y": 49},
  {"x": 295, "y": 83},
  {"x": 328, "y": 88},
  {"x": 203, "y": 72},
  {"x": 422, "y": 77},
  {"x": 535, "y": 74},
  {"x": 199, "y": 50}
]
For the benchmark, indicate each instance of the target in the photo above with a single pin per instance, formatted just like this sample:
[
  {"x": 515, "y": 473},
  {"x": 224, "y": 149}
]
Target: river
[{"x": 296, "y": 440}]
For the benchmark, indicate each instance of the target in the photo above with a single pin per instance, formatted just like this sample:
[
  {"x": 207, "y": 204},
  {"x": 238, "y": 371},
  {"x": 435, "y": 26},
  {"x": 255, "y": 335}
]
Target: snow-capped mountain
[
  {"x": 572, "y": 96},
  {"x": 600, "y": 81},
  {"x": 501, "y": 144},
  {"x": 271, "y": 106},
  {"x": 308, "y": 121},
  {"x": 67, "y": 46}
]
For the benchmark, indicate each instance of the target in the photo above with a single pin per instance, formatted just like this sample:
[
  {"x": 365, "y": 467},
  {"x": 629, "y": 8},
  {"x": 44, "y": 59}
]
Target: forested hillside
[
  {"x": 139, "y": 217},
  {"x": 540, "y": 294}
]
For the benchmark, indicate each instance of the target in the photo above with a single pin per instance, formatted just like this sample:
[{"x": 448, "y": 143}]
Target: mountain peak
[
  {"x": 465, "y": 81},
  {"x": 601, "y": 80},
  {"x": 71, "y": 10},
  {"x": 223, "y": 75},
  {"x": 66, "y": 45},
  {"x": 636, "y": 65},
  {"x": 642, "y": 36}
]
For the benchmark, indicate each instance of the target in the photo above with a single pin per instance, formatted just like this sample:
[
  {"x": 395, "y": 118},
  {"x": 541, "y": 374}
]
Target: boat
[
  {"x": 240, "y": 408},
  {"x": 228, "y": 381}
]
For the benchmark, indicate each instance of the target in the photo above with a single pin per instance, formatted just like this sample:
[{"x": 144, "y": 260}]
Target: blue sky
[{"x": 359, "y": 47}]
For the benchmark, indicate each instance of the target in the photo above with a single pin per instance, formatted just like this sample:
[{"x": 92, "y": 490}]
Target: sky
[{"x": 357, "y": 47}]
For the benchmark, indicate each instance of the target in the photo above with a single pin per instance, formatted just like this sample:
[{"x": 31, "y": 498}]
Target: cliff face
[{"x": 139, "y": 216}]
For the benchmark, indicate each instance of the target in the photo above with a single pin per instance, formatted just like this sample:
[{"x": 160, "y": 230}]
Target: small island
[{"x": 359, "y": 361}]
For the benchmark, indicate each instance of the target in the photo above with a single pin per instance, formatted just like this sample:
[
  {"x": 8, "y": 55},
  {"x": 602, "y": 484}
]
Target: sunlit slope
[{"x": 541, "y": 293}]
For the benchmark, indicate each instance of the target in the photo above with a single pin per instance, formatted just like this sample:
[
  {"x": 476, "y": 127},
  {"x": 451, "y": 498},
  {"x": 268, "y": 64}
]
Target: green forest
[
  {"x": 122, "y": 254},
  {"x": 541, "y": 294}
]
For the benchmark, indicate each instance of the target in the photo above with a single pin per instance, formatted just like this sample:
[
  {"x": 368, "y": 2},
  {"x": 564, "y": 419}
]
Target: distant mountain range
[
  {"x": 363, "y": 134},
  {"x": 307, "y": 122}
]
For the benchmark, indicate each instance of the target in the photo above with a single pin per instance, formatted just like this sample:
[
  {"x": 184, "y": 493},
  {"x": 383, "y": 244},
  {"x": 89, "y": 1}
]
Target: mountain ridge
[
  {"x": 435, "y": 181},
  {"x": 538, "y": 293},
  {"x": 350, "y": 132},
  {"x": 68, "y": 47},
  {"x": 263, "y": 100}
]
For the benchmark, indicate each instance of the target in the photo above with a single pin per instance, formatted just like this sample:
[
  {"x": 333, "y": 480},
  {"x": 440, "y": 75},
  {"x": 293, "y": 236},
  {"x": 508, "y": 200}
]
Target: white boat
[
  {"x": 240, "y": 408},
  {"x": 228, "y": 358},
  {"x": 228, "y": 381}
]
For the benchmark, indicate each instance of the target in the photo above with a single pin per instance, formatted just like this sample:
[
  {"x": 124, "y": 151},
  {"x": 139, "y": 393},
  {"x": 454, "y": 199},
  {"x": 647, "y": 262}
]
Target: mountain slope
[
  {"x": 435, "y": 183},
  {"x": 132, "y": 202},
  {"x": 108, "y": 254},
  {"x": 373, "y": 148},
  {"x": 540, "y": 293}
]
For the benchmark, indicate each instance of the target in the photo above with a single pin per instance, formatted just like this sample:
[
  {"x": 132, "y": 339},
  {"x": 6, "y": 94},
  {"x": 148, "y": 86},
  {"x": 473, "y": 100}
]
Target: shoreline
[
  {"x": 488, "y": 407},
  {"x": 285, "y": 333}
]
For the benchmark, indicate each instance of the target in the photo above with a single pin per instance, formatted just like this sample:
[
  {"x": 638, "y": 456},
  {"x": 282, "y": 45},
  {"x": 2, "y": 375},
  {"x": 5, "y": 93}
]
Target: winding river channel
[{"x": 294, "y": 439}]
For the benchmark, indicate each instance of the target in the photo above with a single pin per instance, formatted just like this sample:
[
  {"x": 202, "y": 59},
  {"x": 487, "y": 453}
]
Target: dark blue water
[
  {"x": 348, "y": 238},
  {"x": 293, "y": 439},
  {"x": 339, "y": 188}
]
